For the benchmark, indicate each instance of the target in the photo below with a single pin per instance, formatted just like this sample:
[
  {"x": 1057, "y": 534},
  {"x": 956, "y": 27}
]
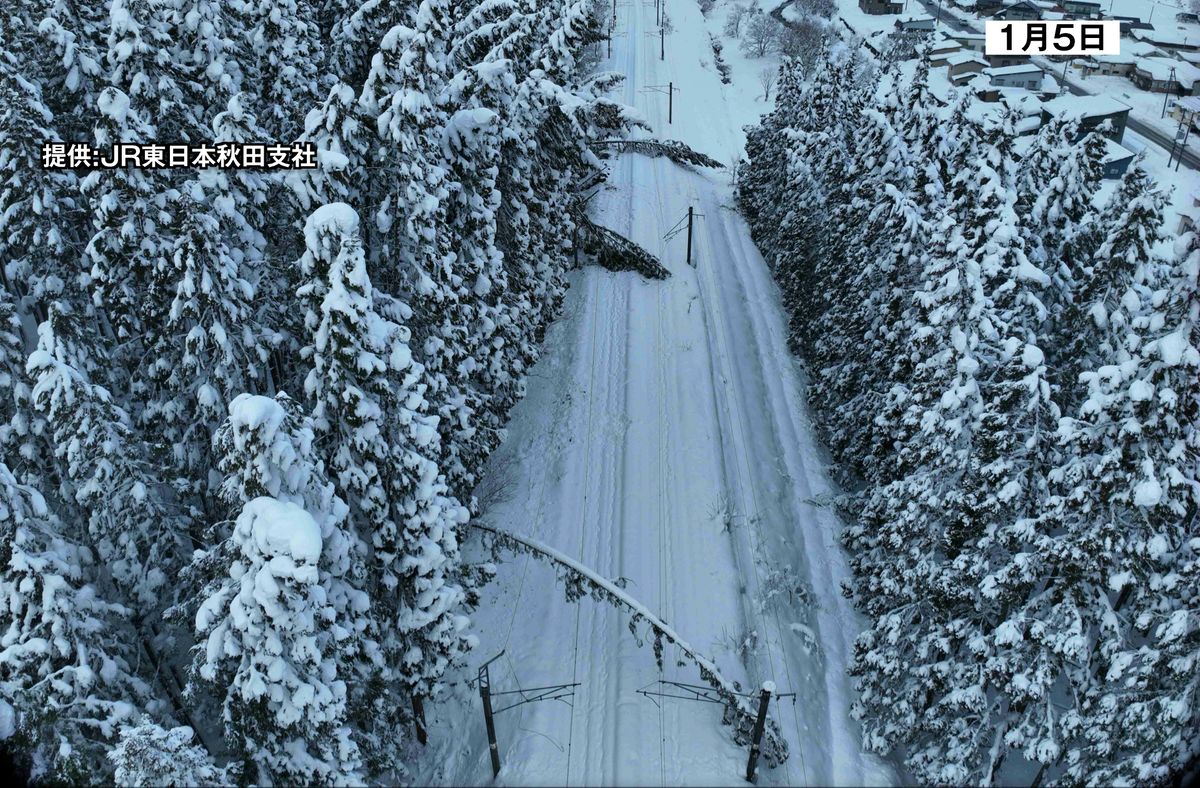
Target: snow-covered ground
[{"x": 660, "y": 410}]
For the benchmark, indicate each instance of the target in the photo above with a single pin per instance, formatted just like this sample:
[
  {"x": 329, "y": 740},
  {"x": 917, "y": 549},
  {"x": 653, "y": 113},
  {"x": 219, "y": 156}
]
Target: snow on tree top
[
  {"x": 249, "y": 412},
  {"x": 336, "y": 218},
  {"x": 114, "y": 104},
  {"x": 282, "y": 529}
]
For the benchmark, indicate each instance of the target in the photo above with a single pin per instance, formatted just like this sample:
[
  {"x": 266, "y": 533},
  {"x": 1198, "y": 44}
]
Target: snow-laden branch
[
  {"x": 616, "y": 252},
  {"x": 674, "y": 150},
  {"x": 580, "y": 579}
]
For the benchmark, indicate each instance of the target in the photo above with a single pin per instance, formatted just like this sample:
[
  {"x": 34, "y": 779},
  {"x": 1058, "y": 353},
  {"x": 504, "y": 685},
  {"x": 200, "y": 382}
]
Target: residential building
[
  {"x": 1186, "y": 18},
  {"x": 972, "y": 41},
  {"x": 1170, "y": 40},
  {"x": 1078, "y": 9},
  {"x": 962, "y": 66},
  {"x": 1090, "y": 111},
  {"x": 1026, "y": 76},
  {"x": 1004, "y": 61},
  {"x": 1116, "y": 160},
  {"x": 878, "y": 7},
  {"x": 940, "y": 51},
  {"x": 1022, "y": 12},
  {"x": 1189, "y": 215},
  {"x": 1109, "y": 65},
  {"x": 1130, "y": 23},
  {"x": 915, "y": 22},
  {"x": 1185, "y": 109},
  {"x": 1164, "y": 75}
]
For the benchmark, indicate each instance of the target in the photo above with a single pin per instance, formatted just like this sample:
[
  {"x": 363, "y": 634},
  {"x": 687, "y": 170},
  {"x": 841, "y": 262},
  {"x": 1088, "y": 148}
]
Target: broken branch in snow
[
  {"x": 580, "y": 580},
  {"x": 674, "y": 150},
  {"x": 616, "y": 252}
]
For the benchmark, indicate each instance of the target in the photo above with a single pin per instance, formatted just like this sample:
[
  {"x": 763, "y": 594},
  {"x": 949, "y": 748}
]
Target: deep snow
[{"x": 659, "y": 411}]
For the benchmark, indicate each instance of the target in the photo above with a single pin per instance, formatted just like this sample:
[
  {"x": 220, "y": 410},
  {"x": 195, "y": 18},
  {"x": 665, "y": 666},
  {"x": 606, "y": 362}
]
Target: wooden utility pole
[
  {"x": 689, "y": 252},
  {"x": 756, "y": 739}
]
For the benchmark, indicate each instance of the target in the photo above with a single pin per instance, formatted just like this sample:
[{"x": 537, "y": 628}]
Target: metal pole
[
  {"x": 670, "y": 101},
  {"x": 1175, "y": 142},
  {"x": 1183, "y": 146},
  {"x": 485, "y": 693},
  {"x": 689, "y": 253},
  {"x": 662, "y": 42},
  {"x": 763, "y": 700}
]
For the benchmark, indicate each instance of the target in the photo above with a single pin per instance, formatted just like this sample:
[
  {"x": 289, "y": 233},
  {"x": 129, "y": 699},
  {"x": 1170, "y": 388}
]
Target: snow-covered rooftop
[
  {"x": 944, "y": 46},
  {"x": 1005, "y": 71},
  {"x": 958, "y": 58},
  {"x": 1174, "y": 38},
  {"x": 1084, "y": 106},
  {"x": 1162, "y": 68},
  {"x": 1114, "y": 152},
  {"x": 914, "y": 18}
]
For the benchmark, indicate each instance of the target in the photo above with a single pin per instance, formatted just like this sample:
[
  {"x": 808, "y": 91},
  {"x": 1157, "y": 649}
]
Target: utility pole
[
  {"x": 763, "y": 699},
  {"x": 671, "y": 103},
  {"x": 485, "y": 694},
  {"x": 689, "y": 252},
  {"x": 528, "y": 695},
  {"x": 1167, "y": 93},
  {"x": 662, "y": 43}
]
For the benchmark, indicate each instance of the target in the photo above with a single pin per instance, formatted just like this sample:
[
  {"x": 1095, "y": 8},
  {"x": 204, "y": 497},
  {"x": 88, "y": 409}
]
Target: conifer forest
[{"x": 648, "y": 351}]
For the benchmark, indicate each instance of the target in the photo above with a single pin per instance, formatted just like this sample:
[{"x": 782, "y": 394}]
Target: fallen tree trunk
[
  {"x": 616, "y": 252},
  {"x": 674, "y": 150},
  {"x": 580, "y": 580}
]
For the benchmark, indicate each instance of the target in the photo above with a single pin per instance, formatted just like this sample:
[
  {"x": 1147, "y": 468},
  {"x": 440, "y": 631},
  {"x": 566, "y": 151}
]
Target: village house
[
  {"x": 972, "y": 41},
  {"x": 1170, "y": 41},
  {"x": 1080, "y": 9},
  {"x": 940, "y": 51},
  {"x": 1090, "y": 111},
  {"x": 1189, "y": 215},
  {"x": 1164, "y": 75},
  {"x": 1186, "y": 18},
  {"x": 1026, "y": 76},
  {"x": 915, "y": 22},
  {"x": 879, "y": 7},
  {"x": 1024, "y": 11},
  {"x": 962, "y": 66}
]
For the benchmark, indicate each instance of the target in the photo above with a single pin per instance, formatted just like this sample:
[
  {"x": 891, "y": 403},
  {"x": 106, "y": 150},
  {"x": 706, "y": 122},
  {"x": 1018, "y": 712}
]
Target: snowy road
[{"x": 657, "y": 406}]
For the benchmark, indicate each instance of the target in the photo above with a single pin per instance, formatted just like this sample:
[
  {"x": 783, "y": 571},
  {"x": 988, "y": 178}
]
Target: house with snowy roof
[
  {"x": 940, "y": 51},
  {"x": 1090, "y": 111},
  {"x": 880, "y": 7},
  {"x": 1189, "y": 215},
  {"x": 1165, "y": 75},
  {"x": 972, "y": 41},
  {"x": 1185, "y": 18},
  {"x": 1026, "y": 76},
  {"x": 1170, "y": 40},
  {"x": 1115, "y": 161},
  {"x": 962, "y": 66},
  {"x": 915, "y": 22},
  {"x": 1024, "y": 11},
  {"x": 1081, "y": 9}
]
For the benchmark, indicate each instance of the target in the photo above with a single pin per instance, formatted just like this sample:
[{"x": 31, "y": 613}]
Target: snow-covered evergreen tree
[
  {"x": 280, "y": 620},
  {"x": 68, "y": 655}
]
